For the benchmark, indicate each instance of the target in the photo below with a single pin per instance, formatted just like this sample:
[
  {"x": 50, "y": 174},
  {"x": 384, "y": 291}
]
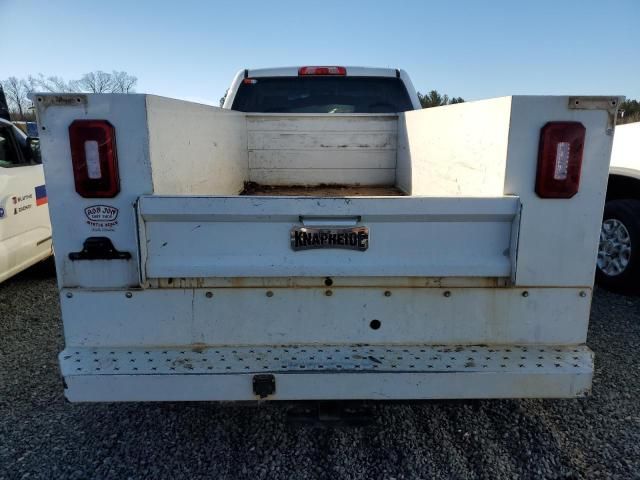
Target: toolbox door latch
[{"x": 99, "y": 248}]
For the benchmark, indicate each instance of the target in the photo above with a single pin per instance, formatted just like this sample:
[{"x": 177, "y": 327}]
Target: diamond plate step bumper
[{"x": 323, "y": 372}]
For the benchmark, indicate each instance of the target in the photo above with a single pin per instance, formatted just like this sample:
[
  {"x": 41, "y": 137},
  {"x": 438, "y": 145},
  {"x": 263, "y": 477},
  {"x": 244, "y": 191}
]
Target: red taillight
[
  {"x": 560, "y": 159},
  {"x": 322, "y": 71},
  {"x": 94, "y": 158}
]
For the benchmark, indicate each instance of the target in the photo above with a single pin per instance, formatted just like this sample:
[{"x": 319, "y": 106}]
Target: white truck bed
[{"x": 467, "y": 285}]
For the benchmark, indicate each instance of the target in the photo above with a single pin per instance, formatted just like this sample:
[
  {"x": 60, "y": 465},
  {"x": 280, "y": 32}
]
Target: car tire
[{"x": 618, "y": 263}]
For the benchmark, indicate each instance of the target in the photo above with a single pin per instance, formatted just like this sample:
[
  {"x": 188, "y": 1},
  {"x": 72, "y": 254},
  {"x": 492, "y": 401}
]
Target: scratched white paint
[
  {"x": 558, "y": 238},
  {"x": 249, "y": 236},
  {"x": 336, "y": 385},
  {"x": 248, "y": 316},
  {"x": 348, "y": 371},
  {"x": 317, "y": 149},
  {"x": 196, "y": 149},
  {"x": 454, "y": 150},
  {"x": 127, "y": 113}
]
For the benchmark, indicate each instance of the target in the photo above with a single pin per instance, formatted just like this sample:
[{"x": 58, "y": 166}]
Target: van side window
[{"x": 9, "y": 155}]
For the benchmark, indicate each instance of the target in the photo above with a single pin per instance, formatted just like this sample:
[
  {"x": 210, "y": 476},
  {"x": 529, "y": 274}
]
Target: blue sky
[{"x": 474, "y": 49}]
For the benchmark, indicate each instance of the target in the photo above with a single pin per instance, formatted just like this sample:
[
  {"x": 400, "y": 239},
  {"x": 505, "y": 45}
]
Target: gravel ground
[{"x": 42, "y": 436}]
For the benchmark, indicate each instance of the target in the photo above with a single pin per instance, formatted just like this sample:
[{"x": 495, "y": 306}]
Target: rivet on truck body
[
  {"x": 525, "y": 294},
  {"x": 269, "y": 293},
  {"x": 69, "y": 294},
  {"x": 387, "y": 293},
  {"x": 583, "y": 294},
  {"x": 208, "y": 294},
  {"x": 447, "y": 293},
  {"x": 328, "y": 293},
  {"x": 128, "y": 294}
]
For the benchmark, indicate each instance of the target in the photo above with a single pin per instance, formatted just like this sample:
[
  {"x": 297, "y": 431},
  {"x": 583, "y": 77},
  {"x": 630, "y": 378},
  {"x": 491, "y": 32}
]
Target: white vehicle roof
[{"x": 352, "y": 71}]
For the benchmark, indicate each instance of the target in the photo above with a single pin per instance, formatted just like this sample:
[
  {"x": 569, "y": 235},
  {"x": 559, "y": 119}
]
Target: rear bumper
[{"x": 327, "y": 372}]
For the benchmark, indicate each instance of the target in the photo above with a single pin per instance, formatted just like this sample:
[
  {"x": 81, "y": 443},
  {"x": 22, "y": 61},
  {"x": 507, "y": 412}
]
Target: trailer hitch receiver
[{"x": 264, "y": 385}]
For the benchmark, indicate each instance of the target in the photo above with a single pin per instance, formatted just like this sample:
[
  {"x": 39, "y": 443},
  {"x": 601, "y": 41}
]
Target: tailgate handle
[{"x": 330, "y": 221}]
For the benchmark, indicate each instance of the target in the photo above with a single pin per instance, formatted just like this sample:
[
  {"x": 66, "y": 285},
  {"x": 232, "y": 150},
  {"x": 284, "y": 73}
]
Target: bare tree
[
  {"x": 224, "y": 97},
  {"x": 94, "y": 82},
  {"x": 16, "y": 91},
  {"x": 4, "y": 108},
  {"x": 122, "y": 82},
  {"x": 51, "y": 84}
]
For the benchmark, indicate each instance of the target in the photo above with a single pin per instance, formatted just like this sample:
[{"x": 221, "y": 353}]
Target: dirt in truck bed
[{"x": 256, "y": 189}]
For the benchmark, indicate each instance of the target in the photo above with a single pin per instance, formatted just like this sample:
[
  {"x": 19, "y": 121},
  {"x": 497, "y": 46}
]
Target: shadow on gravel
[{"x": 43, "y": 436}]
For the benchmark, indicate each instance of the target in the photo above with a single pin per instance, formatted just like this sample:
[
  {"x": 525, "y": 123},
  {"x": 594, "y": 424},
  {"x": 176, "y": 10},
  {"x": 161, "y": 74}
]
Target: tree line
[
  {"x": 17, "y": 90},
  {"x": 628, "y": 112},
  {"x": 435, "y": 99}
]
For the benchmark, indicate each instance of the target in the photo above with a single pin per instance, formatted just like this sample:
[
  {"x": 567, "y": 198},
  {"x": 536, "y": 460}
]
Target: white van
[{"x": 25, "y": 229}]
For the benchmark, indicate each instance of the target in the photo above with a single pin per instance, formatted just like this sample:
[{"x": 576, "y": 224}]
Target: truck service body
[{"x": 332, "y": 249}]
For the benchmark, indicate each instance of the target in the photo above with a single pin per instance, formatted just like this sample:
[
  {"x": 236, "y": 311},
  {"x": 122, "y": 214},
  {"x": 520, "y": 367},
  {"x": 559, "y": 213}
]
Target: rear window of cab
[{"x": 322, "y": 94}]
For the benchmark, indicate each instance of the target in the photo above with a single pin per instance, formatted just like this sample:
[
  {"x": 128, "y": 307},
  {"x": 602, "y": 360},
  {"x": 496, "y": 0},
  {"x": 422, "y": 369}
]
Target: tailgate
[{"x": 243, "y": 236}]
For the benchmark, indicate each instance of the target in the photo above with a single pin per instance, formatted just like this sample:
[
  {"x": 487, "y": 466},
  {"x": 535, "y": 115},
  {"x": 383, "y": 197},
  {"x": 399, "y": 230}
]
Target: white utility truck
[
  {"x": 618, "y": 265},
  {"x": 321, "y": 238},
  {"x": 25, "y": 230}
]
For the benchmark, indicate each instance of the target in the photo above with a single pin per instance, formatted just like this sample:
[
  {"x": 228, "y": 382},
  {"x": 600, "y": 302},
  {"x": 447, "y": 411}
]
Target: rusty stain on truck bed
[
  {"x": 384, "y": 283},
  {"x": 323, "y": 190}
]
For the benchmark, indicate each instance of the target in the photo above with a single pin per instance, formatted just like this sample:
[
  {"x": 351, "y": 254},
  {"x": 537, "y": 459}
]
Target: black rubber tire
[{"x": 627, "y": 212}]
